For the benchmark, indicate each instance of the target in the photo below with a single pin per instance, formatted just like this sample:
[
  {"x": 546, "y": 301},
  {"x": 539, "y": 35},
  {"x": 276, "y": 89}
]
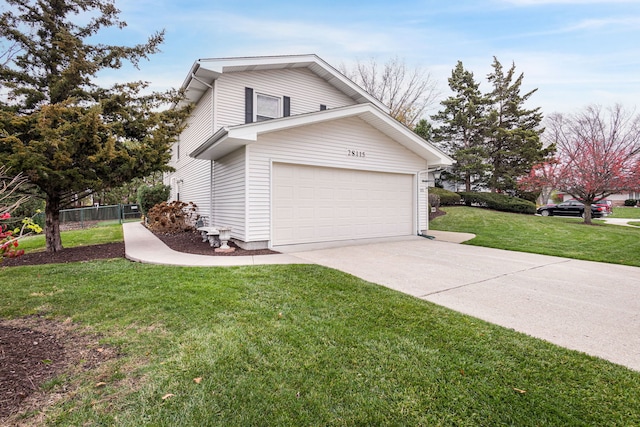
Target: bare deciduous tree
[
  {"x": 10, "y": 195},
  {"x": 407, "y": 92},
  {"x": 7, "y": 53}
]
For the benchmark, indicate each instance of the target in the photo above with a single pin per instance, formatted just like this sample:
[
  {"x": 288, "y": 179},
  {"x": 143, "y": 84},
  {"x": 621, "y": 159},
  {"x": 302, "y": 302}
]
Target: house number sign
[{"x": 356, "y": 153}]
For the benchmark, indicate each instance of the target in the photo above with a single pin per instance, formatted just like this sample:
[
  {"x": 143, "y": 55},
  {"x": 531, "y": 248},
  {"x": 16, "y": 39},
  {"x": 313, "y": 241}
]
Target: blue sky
[{"x": 576, "y": 52}]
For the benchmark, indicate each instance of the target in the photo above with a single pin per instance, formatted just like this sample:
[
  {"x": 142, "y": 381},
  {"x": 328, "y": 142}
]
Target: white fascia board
[
  {"x": 338, "y": 79},
  {"x": 408, "y": 138},
  {"x": 317, "y": 65},
  {"x": 192, "y": 71},
  {"x": 206, "y": 149},
  {"x": 228, "y": 139},
  {"x": 250, "y": 63}
]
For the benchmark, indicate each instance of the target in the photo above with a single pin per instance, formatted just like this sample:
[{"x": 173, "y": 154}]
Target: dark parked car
[{"x": 570, "y": 208}]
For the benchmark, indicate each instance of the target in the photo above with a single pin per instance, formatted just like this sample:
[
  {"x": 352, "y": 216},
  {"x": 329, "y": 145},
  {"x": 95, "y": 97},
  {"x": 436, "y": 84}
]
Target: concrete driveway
[{"x": 586, "y": 306}]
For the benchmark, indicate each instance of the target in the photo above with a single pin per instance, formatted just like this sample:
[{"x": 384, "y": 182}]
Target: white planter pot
[{"x": 225, "y": 235}]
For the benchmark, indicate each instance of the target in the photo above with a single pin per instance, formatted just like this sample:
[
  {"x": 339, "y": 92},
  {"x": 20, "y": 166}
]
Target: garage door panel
[{"x": 317, "y": 204}]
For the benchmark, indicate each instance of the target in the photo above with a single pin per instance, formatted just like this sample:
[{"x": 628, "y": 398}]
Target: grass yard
[
  {"x": 626, "y": 212},
  {"x": 565, "y": 237},
  {"x": 88, "y": 236},
  {"x": 307, "y": 345},
  {"x": 302, "y": 345}
]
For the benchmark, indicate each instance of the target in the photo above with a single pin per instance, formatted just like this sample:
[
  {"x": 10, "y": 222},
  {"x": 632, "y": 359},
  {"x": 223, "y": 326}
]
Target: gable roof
[
  {"x": 229, "y": 139},
  {"x": 205, "y": 71}
]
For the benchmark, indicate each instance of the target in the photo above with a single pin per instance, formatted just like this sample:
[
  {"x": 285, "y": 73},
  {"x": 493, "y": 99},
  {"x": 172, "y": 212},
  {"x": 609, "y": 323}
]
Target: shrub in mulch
[{"x": 173, "y": 217}]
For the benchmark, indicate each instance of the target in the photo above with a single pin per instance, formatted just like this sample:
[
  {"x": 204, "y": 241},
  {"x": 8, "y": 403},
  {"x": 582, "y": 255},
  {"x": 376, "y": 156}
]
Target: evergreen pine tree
[
  {"x": 69, "y": 136},
  {"x": 513, "y": 132},
  {"x": 462, "y": 128}
]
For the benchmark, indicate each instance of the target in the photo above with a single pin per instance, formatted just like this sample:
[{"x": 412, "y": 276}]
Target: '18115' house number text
[{"x": 355, "y": 153}]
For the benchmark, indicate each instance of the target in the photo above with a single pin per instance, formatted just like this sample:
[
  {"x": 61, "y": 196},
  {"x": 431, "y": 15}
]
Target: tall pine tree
[
  {"x": 462, "y": 128},
  {"x": 513, "y": 132},
  {"x": 69, "y": 136}
]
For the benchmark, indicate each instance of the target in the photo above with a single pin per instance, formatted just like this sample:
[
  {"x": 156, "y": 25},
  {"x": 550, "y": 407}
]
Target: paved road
[{"x": 586, "y": 306}]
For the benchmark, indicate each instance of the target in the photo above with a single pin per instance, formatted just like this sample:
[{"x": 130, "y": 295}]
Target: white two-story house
[{"x": 286, "y": 150}]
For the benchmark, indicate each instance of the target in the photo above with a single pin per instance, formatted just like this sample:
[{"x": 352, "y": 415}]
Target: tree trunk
[
  {"x": 52, "y": 224},
  {"x": 587, "y": 213},
  {"x": 467, "y": 182}
]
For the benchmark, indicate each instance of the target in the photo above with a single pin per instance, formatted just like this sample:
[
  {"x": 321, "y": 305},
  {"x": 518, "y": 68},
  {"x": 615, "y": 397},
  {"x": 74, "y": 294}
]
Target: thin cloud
[
  {"x": 562, "y": 2},
  {"x": 593, "y": 24},
  {"x": 574, "y": 54},
  {"x": 586, "y": 25},
  {"x": 353, "y": 38}
]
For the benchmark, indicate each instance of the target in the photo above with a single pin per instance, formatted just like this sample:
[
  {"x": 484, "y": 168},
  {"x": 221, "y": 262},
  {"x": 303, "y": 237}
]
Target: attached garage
[
  {"x": 334, "y": 175},
  {"x": 321, "y": 204}
]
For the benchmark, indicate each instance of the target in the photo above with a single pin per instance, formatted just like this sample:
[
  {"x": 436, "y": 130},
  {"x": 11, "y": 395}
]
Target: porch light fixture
[{"x": 436, "y": 175}]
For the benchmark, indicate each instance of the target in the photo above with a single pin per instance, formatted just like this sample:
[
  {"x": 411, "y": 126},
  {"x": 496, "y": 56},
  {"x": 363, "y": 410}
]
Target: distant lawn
[
  {"x": 566, "y": 237},
  {"x": 626, "y": 212},
  {"x": 302, "y": 345},
  {"x": 87, "y": 236}
]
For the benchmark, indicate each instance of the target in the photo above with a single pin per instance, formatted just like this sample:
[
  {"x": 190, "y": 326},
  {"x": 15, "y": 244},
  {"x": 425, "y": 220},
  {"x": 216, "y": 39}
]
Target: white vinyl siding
[
  {"x": 199, "y": 125},
  {"x": 192, "y": 183},
  {"x": 196, "y": 185},
  {"x": 229, "y": 193},
  {"x": 195, "y": 174},
  {"x": 306, "y": 90},
  {"x": 325, "y": 144}
]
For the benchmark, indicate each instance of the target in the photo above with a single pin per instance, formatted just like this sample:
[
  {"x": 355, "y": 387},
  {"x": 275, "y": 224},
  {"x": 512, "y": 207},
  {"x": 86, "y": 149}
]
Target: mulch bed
[
  {"x": 191, "y": 242},
  {"x": 34, "y": 350},
  {"x": 77, "y": 254}
]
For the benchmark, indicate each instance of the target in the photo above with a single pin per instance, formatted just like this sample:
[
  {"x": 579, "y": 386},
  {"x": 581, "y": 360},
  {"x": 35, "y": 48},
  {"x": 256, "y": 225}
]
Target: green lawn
[
  {"x": 303, "y": 345},
  {"x": 307, "y": 345},
  {"x": 566, "y": 237},
  {"x": 88, "y": 236},
  {"x": 626, "y": 212}
]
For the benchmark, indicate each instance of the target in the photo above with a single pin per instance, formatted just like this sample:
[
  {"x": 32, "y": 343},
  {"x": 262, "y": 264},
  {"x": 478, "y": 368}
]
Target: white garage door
[{"x": 316, "y": 204}]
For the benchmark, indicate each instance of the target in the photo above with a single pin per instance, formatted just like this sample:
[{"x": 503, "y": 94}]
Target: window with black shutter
[
  {"x": 260, "y": 106},
  {"x": 248, "y": 105}
]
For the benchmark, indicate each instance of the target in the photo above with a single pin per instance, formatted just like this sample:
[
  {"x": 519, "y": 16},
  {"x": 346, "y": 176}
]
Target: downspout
[
  {"x": 211, "y": 194},
  {"x": 212, "y": 181}
]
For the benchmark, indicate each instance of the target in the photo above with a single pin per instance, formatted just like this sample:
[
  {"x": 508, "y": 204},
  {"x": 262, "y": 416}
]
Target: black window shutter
[
  {"x": 323, "y": 107},
  {"x": 248, "y": 105},
  {"x": 286, "y": 106}
]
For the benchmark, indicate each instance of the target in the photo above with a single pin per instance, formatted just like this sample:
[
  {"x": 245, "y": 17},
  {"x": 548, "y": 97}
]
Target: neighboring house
[
  {"x": 286, "y": 150},
  {"x": 617, "y": 199}
]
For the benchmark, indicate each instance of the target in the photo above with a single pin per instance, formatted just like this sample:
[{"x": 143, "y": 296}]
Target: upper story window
[
  {"x": 267, "y": 107},
  {"x": 259, "y": 107}
]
